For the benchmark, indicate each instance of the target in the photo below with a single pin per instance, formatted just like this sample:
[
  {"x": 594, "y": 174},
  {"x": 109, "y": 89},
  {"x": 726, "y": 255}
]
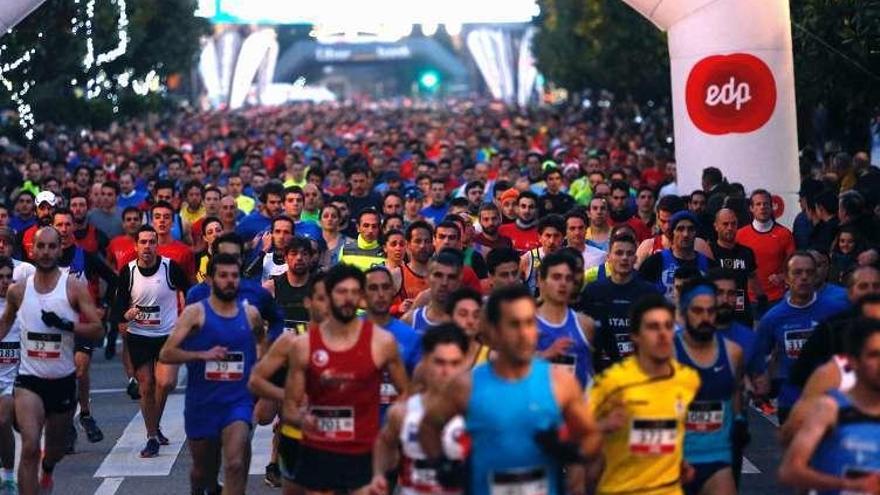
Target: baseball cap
[
  {"x": 413, "y": 193},
  {"x": 46, "y": 197}
]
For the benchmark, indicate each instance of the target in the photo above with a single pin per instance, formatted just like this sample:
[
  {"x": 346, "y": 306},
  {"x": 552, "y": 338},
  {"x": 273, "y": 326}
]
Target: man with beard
[
  {"x": 11, "y": 352},
  {"x": 709, "y": 425},
  {"x": 523, "y": 233},
  {"x": 46, "y": 203},
  {"x": 289, "y": 288},
  {"x": 609, "y": 300},
  {"x": 267, "y": 384},
  {"x": 50, "y": 309},
  {"x": 444, "y": 277},
  {"x": 740, "y": 260},
  {"x": 489, "y": 238},
  {"x": 218, "y": 339},
  {"x": 268, "y": 261},
  {"x": 146, "y": 303},
  {"x": 660, "y": 267},
  {"x": 620, "y": 212},
  {"x": 332, "y": 389},
  {"x": 419, "y": 248}
]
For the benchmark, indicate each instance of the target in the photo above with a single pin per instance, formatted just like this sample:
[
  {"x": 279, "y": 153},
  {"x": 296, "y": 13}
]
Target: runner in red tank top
[{"x": 339, "y": 366}]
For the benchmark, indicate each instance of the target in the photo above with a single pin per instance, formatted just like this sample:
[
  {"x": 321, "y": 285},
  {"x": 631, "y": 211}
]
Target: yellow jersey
[{"x": 644, "y": 456}]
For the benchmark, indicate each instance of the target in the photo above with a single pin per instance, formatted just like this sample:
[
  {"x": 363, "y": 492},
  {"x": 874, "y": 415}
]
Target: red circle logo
[
  {"x": 778, "y": 206},
  {"x": 730, "y": 93}
]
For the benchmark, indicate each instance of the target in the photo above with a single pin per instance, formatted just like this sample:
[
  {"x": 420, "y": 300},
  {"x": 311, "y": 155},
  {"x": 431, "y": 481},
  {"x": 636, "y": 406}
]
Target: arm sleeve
[{"x": 123, "y": 296}]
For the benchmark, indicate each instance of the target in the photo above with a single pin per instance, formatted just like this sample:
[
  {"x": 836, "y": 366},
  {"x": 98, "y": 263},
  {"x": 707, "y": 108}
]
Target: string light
[
  {"x": 17, "y": 95},
  {"x": 91, "y": 60}
]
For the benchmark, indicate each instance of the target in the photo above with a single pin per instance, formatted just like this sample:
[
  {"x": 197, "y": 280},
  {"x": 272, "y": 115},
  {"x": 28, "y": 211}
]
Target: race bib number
[
  {"x": 653, "y": 436},
  {"x": 567, "y": 362},
  {"x": 625, "y": 346},
  {"x": 740, "y": 300},
  {"x": 43, "y": 345},
  {"x": 334, "y": 423},
  {"x": 228, "y": 369},
  {"x": 9, "y": 353},
  {"x": 531, "y": 481},
  {"x": 705, "y": 416},
  {"x": 422, "y": 475},
  {"x": 387, "y": 392},
  {"x": 148, "y": 316},
  {"x": 794, "y": 342},
  {"x": 856, "y": 473},
  {"x": 296, "y": 326}
]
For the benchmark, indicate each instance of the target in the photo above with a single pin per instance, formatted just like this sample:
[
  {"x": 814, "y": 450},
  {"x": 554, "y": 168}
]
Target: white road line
[
  {"x": 261, "y": 449},
  {"x": 749, "y": 468},
  {"x": 124, "y": 460},
  {"x": 109, "y": 486}
]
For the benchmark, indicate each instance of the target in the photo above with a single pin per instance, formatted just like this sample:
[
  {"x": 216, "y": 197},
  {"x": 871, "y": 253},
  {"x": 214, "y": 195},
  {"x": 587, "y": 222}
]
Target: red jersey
[
  {"x": 89, "y": 240},
  {"x": 343, "y": 391},
  {"x": 638, "y": 225},
  {"x": 412, "y": 283},
  {"x": 181, "y": 254},
  {"x": 523, "y": 240},
  {"x": 771, "y": 250},
  {"x": 121, "y": 251},
  {"x": 27, "y": 241}
]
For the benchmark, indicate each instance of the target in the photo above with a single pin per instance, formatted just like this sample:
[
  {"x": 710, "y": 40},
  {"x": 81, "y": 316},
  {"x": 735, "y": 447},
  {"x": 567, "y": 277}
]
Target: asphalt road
[{"x": 113, "y": 466}]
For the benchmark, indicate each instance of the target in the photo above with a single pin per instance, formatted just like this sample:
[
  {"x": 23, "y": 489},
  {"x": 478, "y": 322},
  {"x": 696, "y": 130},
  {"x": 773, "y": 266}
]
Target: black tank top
[{"x": 290, "y": 300}]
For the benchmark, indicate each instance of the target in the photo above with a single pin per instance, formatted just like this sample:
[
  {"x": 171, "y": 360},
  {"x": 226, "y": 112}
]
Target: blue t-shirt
[
  {"x": 253, "y": 224},
  {"x": 408, "y": 341},
  {"x": 747, "y": 339},
  {"x": 434, "y": 214},
  {"x": 308, "y": 229},
  {"x": 252, "y": 292}
]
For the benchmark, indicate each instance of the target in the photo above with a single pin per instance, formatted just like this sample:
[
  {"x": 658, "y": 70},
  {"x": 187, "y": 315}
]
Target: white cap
[{"x": 46, "y": 197}]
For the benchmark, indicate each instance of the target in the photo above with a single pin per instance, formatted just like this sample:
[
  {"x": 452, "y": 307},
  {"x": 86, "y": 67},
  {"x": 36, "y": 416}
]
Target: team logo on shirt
[{"x": 320, "y": 358}]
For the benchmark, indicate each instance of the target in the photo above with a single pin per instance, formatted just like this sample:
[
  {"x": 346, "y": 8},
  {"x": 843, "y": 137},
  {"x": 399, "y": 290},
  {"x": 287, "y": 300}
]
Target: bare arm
[
  {"x": 736, "y": 360},
  {"x": 588, "y": 326},
  {"x": 439, "y": 409},
  {"x": 578, "y": 417},
  {"x": 269, "y": 285},
  {"x": 258, "y": 326},
  {"x": 385, "y": 450},
  {"x": 392, "y": 362},
  {"x": 189, "y": 321},
  {"x": 89, "y": 324},
  {"x": 295, "y": 386},
  {"x": 275, "y": 359},
  {"x": 824, "y": 379},
  {"x": 13, "y": 302}
]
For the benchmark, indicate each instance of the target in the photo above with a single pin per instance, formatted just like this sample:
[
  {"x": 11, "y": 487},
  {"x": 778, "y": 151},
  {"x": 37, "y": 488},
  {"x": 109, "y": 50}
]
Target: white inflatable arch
[
  {"x": 13, "y": 11},
  {"x": 733, "y": 97}
]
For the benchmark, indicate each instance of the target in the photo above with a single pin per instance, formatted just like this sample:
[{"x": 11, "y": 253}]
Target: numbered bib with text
[
  {"x": 653, "y": 436},
  {"x": 43, "y": 345},
  {"x": 794, "y": 342},
  {"x": 624, "y": 344},
  {"x": 705, "y": 416},
  {"x": 531, "y": 481},
  {"x": 228, "y": 369},
  {"x": 148, "y": 316},
  {"x": 9, "y": 353},
  {"x": 334, "y": 423}
]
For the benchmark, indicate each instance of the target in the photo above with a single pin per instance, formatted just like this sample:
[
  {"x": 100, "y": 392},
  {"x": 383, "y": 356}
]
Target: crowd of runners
[{"x": 443, "y": 299}]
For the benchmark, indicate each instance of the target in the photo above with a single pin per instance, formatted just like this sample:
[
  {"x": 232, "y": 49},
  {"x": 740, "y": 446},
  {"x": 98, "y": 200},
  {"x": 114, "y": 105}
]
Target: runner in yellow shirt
[{"x": 641, "y": 404}]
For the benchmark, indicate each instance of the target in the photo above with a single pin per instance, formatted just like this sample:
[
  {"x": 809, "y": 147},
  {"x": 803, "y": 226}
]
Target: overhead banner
[{"x": 733, "y": 99}]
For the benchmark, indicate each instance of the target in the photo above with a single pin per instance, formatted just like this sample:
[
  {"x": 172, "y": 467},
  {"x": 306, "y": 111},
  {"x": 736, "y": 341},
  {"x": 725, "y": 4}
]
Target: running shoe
[
  {"x": 46, "y": 483},
  {"x": 133, "y": 390},
  {"x": 163, "y": 440},
  {"x": 151, "y": 449},
  {"x": 89, "y": 425},
  {"x": 9, "y": 487},
  {"x": 273, "y": 475}
]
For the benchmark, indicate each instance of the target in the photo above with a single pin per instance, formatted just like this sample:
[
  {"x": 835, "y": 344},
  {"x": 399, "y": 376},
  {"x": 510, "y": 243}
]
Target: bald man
[{"x": 740, "y": 260}]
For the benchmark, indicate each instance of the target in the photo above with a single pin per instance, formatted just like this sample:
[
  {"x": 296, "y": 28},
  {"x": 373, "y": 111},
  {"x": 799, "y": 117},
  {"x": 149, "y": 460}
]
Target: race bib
[
  {"x": 652, "y": 436},
  {"x": 148, "y": 316},
  {"x": 334, "y": 423},
  {"x": 794, "y": 342},
  {"x": 856, "y": 473},
  {"x": 228, "y": 369},
  {"x": 529, "y": 481},
  {"x": 705, "y": 416},
  {"x": 423, "y": 475},
  {"x": 625, "y": 346},
  {"x": 387, "y": 392},
  {"x": 296, "y": 326},
  {"x": 43, "y": 345},
  {"x": 740, "y": 300},
  {"x": 567, "y": 362},
  {"x": 9, "y": 352}
]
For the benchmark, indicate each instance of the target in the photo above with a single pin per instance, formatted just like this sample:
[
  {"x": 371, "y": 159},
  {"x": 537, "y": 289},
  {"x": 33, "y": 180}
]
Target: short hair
[
  {"x": 145, "y": 228},
  {"x": 459, "y": 202},
  {"x": 671, "y": 204},
  {"x": 861, "y": 330},
  {"x": 368, "y": 211},
  {"x": 550, "y": 171},
  {"x": 221, "y": 259},
  {"x": 228, "y": 238},
  {"x": 499, "y": 256},
  {"x": 317, "y": 278},
  {"x": 130, "y": 209},
  {"x": 552, "y": 220},
  {"x": 448, "y": 224},
  {"x": 852, "y": 275},
  {"x": 379, "y": 269},
  {"x": 391, "y": 193},
  {"x": 527, "y": 195},
  {"x": 489, "y": 207},
  {"x": 283, "y": 218},
  {"x": 575, "y": 212},
  {"x": 292, "y": 190},
  {"x": 210, "y": 220},
  {"x": 109, "y": 184},
  {"x": 419, "y": 225},
  {"x": 272, "y": 188},
  {"x": 506, "y": 294},
  {"x": 445, "y": 333},
  {"x": 717, "y": 273},
  {"x": 760, "y": 192},
  {"x": 853, "y": 203},
  {"x": 619, "y": 185},
  {"x": 799, "y": 254},
  {"x": 343, "y": 271},
  {"x": 299, "y": 244},
  {"x": 165, "y": 184},
  {"x": 462, "y": 294},
  {"x": 686, "y": 273},
  {"x": 616, "y": 239},
  {"x": 213, "y": 189},
  {"x": 555, "y": 259},
  {"x": 643, "y": 305},
  {"x": 713, "y": 175},
  {"x": 449, "y": 257},
  {"x": 62, "y": 211},
  {"x": 696, "y": 192},
  {"x": 161, "y": 204},
  {"x": 473, "y": 185}
]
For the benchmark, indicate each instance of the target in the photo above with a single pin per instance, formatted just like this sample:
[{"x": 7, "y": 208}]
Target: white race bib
[
  {"x": 705, "y": 416},
  {"x": 794, "y": 342},
  {"x": 10, "y": 353},
  {"x": 334, "y": 423},
  {"x": 529, "y": 481},
  {"x": 387, "y": 392},
  {"x": 653, "y": 436},
  {"x": 148, "y": 316},
  {"x": 43, "y": 345},
  {"x": 624, "y": 345},
  {"x": 228, "y": 369}
]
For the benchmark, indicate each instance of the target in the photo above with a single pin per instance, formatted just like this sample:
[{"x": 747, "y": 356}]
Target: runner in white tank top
[
  {"x": 9, "y": 357},
  {"x": 49, "y": 308},
  {"x": 444, "y": 349}
]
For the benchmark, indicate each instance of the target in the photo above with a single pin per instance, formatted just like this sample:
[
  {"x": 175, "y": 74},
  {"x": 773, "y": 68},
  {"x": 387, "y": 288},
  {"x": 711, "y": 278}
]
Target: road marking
[
  {"x": 109, "y": 486},
  {"x": 124, "y": 460},
  {"x": 749, "y": 468},
  {"x": 261, "y": 449}
]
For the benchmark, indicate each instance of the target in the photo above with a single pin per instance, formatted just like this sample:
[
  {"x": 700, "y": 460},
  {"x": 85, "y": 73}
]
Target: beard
[
  {"x": 725, "y": 314},
  {"x": 225, "y": 295},
  {"x": 703, "y": 333},
  {"x": 345, "y": 313},
  {"x": 490, "y": 230}
]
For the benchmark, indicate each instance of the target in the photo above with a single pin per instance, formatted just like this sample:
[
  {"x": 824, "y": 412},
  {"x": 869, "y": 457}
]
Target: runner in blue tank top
[
  {"x": 217, "y": 339},
  {"x": 837, "y": 449},
  {"x": 707, "y": 441},
  {"x": 444, "y": 277},
  {"x": 515, "y": 448},
  {"x": 563, "y": 335}
]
